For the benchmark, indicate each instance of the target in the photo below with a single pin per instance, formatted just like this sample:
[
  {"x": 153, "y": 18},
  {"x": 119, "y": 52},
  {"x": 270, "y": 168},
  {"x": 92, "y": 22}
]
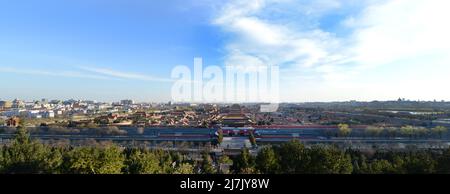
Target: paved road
[{"x": 235, "y": 143}]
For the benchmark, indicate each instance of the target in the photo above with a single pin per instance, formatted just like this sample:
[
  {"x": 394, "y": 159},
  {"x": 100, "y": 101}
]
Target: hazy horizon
[{"x": 282, "y": 102}]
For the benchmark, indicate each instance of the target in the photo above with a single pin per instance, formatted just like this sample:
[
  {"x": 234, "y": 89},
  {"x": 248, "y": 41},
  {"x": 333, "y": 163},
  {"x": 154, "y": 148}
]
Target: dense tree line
[
  {"x": 407, "y": 131},
  {"x": 295, "y": 158},
  {"x": 24, "y": 155},
  {"x": 31, "y": 157}
]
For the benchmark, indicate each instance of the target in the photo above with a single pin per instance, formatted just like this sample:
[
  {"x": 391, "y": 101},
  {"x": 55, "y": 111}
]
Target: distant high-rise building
[
  {"x": 56, "y": 102},
  {"x": 5, "y": 105},
  {"x": 127, "y": 102},
  {"x": 18, "y": 104}
]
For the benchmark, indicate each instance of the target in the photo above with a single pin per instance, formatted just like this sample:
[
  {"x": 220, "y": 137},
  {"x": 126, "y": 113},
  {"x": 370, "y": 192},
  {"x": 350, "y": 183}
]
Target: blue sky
[{"x": 327, "y": 49}]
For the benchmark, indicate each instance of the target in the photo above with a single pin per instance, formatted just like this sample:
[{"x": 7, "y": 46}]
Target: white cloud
[
  {"x": 273, "y": 42},
  {"x": 401, "y": 30},
  {"x": 381, "y": 34}
]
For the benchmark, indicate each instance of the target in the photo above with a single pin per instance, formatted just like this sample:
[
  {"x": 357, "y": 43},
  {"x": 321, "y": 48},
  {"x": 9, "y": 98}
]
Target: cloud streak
[
  {"x": 86, "y": 72},
  {"x": 123, "y": 75},
  {"x": 71, "y": 74}
]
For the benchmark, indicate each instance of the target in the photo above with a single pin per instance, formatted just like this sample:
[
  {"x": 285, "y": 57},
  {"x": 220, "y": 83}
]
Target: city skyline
[
  {"x": 327, "y": 50},
  {"x": 59, "y": 100}
]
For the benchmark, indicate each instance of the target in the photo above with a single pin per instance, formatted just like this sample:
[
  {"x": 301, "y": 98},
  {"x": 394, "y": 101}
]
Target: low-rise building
[
  {"x": 49, "y": 114},
  {"x": 13, "y": 112}
]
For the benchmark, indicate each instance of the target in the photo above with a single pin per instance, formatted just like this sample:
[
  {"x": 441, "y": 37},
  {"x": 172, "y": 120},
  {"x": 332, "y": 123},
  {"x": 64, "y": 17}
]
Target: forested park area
[{"x": 26, "y": 156}]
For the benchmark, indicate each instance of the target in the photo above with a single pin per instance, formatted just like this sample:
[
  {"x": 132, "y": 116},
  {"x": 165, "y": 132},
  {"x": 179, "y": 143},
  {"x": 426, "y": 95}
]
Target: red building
[
  {"x": 13, "y": 122},
  {"x": 236, "y": 117}
]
